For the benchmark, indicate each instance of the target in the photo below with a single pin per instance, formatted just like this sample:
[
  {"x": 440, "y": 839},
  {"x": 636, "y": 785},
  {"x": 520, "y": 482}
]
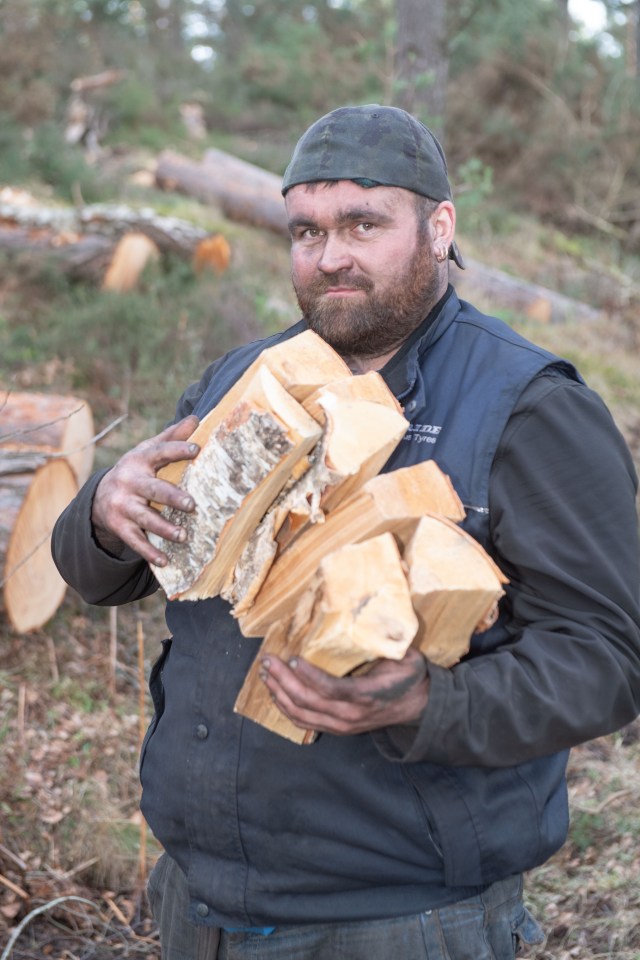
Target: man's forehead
[{"x": 334, "y": 194}]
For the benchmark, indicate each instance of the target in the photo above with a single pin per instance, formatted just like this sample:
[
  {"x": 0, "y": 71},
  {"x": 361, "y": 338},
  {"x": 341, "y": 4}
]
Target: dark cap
[{"x": 376, "y": 146}]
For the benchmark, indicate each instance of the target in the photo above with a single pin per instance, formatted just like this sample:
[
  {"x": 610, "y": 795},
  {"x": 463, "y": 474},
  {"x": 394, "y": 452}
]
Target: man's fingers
[
  {"x": 394, "y": 691},
  {"x": 181, "y": 430}
]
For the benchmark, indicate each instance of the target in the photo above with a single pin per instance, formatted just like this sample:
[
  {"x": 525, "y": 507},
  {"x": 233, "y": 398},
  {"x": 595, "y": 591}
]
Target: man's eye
[
  {"x": 365, "y": 227},
  {"x": 311, "y": 233}
]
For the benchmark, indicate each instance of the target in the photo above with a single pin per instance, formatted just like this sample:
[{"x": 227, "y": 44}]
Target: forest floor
[{"x": 74, "y": 851}]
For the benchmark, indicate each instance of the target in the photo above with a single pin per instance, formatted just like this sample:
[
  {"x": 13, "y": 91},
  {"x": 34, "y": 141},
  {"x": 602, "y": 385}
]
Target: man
[{"x": 404, "y": 830}]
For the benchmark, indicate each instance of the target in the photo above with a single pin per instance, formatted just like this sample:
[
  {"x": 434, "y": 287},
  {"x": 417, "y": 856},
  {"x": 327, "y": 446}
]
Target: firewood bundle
[
  {"x": 46, "y": 453},
  {"x": 314, "y": 549}
]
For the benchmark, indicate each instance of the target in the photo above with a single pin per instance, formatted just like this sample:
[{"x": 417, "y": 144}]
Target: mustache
[{"x": 342, "y": 278}]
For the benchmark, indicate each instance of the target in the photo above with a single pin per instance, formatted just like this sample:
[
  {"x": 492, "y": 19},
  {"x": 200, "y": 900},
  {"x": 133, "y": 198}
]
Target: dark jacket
[{"x": 409, "y": 818}]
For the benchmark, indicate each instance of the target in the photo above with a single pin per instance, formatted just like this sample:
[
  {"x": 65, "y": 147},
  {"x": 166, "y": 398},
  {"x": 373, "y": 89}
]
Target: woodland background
[{"x": 541, "y": 124}]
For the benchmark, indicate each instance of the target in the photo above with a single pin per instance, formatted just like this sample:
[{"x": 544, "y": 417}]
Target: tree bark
[{"x": 421, "y": 60}]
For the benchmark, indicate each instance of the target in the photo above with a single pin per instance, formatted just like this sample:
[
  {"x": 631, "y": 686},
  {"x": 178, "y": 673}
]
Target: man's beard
[{"x": 374, "y": 325}]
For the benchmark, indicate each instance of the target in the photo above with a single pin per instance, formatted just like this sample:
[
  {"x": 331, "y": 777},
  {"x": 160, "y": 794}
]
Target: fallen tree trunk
[
  {"x": 108, "y": 246},
  {"x": 37, "y": 427},
  {"x": 249, "y": 194},
  {"x": 69, "y": 225},
  {"x": 46, "y": 452},
  {"x": 242, "y": 191},
  {"x": 495, "y": 290}
]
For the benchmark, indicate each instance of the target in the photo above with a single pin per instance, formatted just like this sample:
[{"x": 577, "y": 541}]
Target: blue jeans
[{"x": 495, "y": 925}]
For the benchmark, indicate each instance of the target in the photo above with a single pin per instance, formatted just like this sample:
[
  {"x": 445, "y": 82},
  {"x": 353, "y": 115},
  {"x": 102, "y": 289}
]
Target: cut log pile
[
  {"x": 46, "y": 453},
  {"x": 316, "y": 550}
]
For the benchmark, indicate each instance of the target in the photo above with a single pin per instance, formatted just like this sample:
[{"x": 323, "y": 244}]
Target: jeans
[{"x": 495, "y": 925}]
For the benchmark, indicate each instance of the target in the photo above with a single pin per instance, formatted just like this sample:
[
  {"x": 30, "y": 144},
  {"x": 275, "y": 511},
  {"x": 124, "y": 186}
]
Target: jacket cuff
[{"x": 412, "y": 743}]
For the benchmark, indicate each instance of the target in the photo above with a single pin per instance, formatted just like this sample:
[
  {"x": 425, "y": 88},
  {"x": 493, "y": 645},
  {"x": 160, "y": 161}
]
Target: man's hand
[
  {"x": 122, "y": 508},
  {"x": 393, "y": 691}
]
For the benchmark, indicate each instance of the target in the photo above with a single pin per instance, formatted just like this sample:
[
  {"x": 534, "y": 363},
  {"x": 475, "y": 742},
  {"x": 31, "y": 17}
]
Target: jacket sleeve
[
  {"x": 564, "y": 529},
  {"x": 99, "y": 577}
]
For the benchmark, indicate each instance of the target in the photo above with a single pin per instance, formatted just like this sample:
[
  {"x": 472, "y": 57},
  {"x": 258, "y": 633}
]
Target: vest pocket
[{"x": 156, "y": 689}]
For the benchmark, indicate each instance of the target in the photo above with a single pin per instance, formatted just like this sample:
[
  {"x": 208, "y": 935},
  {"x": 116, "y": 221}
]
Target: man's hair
[{"x": 424, "y": 207}]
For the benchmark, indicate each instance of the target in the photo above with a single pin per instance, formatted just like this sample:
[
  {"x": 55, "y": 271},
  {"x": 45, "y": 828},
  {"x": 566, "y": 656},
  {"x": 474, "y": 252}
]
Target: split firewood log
[
  {"x": 362, "y": 424},
  {"x": 455, "y": 588},
  {"x": 356, "y": 609},
  {"x": 301, "y": 365},
  {"x": 240, "y": 470},
  {"x": 390, "y": 502}
]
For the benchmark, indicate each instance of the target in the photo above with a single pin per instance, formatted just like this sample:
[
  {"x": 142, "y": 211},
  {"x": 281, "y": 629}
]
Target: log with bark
[
  {"x": 86, "y": 242},
  {"x": 246, "y": 461},
  {"x": 243, "y": 192},
  {"x": 260, "y": 442},
  {"x": 46, "y": 452}
]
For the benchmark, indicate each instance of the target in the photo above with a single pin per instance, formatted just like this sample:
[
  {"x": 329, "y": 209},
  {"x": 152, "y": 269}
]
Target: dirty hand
[
  {"x": 122, "y": 508},
  {"x": 392, "y": 692}
]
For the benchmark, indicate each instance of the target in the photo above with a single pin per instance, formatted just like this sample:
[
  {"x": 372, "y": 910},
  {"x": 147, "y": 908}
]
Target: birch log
[
  {"x": 301, "y": 365},
  {"x": 362, "y": 424},
  {"x": 237, "y": 475}
]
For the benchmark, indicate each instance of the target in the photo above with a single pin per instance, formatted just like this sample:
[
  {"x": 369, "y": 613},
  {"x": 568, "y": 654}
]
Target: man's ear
[{"x": 443, "y": 223}]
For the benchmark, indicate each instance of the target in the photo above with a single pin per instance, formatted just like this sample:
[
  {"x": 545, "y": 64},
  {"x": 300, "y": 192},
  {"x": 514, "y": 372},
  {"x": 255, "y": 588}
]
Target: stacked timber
[
  {"x": 315, "y": 550},
  {"x": 46, "y": 453}
]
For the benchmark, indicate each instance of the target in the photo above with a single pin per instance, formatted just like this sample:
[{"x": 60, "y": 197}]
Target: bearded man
[{"x": 405, "y": 829}]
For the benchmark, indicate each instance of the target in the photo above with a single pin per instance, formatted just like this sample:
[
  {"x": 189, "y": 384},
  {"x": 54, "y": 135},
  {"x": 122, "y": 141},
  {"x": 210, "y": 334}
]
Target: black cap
[{"x": 376, "y": 146}]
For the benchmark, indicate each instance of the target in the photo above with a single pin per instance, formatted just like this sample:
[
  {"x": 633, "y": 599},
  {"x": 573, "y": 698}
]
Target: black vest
[{"x": 270, "y": 832}]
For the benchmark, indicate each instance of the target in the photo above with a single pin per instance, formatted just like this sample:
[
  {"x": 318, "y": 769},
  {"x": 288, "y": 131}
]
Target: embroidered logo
[{"x": 422, "y": 433}]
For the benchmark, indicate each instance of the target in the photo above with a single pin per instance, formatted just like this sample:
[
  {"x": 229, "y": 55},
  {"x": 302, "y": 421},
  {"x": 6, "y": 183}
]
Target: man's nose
[{"x": 336, "y": 255}]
